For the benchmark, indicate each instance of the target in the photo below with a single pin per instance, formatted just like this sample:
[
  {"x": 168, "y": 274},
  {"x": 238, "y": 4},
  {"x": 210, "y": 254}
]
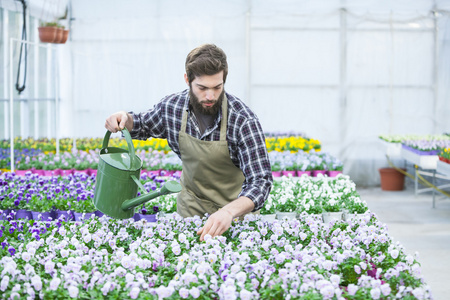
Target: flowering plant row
[
  {"x": 314, "y": 196},
  {"x": 83, "y": 160},
  {"x": 402, "y": 138},
  {"x": 303, "y": 161},
  {"x": 159, "y": 160},
  {"x": 85, "y": 144},
  {"x": 292, "y": 144},
  {"x": 254, "y": 259},
  {"x": 273, "y": 143},
  {"x": 74, "y": 192}
]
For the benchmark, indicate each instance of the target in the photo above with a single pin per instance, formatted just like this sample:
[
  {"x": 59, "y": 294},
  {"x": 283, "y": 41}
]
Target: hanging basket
[
  {"x": 48, "y": 34},
  {"x": 53, "y": 34},
  {"x": 391, "y": 179}
]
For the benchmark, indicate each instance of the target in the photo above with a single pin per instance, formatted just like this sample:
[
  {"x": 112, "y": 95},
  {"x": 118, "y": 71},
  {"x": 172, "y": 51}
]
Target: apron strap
[
  {"x": 224, "y": 121},
  {"x": 184, "y": 121}
]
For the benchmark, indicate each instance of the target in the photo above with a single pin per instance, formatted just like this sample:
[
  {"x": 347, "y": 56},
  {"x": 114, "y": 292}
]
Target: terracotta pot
[
  {"x": 391, "y": 179},
  {"x": 47, "y": 34},
  {"x": 63, "y": 35}
]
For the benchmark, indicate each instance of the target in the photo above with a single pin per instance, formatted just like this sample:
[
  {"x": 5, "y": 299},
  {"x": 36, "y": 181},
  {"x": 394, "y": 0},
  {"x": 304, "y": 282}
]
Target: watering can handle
[{"x": 127, "y": 137}]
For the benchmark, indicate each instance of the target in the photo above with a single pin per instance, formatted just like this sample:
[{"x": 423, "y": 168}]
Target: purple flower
[{"x": 11, "y": 250}]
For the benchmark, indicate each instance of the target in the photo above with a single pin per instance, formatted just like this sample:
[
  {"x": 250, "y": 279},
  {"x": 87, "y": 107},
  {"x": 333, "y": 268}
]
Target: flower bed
[
  {"x": 301, "y": 162},
  {"x": 254, "y": 259},
  {"x": 74, "y": 192},
  {"x": 315, "y": 196},
  {"x": 298, "y": 258},
  {"x": 274, "y": 142}
]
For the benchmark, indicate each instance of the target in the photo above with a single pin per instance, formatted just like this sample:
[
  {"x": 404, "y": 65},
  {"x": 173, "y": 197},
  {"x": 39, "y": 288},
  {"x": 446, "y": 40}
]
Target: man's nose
[{"x": 209, "y": 95}]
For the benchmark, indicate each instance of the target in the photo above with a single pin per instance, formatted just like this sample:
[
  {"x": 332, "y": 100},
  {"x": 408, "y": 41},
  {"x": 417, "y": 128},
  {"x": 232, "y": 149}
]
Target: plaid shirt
[{"x": 246, "y": 141}]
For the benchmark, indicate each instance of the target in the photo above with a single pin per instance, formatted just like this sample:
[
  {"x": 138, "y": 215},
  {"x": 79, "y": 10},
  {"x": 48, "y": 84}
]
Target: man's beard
[{"x": 211, "y": 110}]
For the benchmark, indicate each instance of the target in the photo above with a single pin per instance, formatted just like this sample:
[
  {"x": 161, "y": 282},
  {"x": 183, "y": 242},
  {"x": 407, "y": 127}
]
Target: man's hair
[{"x": 207, "y": 59}]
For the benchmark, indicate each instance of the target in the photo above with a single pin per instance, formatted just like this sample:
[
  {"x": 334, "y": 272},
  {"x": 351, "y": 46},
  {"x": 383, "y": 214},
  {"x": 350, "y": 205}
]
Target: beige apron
[{"x": 209, "y": 179}]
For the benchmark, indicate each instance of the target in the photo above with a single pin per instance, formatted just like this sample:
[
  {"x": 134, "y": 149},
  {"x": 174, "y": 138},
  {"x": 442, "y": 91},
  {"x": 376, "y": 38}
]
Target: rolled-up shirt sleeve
[
  {"x": 148, "y": 124},
  {"x": 254, "y": 163}
]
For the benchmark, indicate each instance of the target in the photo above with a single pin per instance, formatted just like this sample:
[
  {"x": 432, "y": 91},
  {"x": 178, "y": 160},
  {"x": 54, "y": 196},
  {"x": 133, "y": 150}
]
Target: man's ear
[{"x": 186, "y": 79}]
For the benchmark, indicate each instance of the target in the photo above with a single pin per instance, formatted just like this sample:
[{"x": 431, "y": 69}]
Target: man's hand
[
  {"x": 118, "y": 121},
  {"x": 217, "y": 223}
]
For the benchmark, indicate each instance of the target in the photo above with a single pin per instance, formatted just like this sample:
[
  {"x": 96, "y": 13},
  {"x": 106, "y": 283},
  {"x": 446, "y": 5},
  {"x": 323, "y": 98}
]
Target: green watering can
[{"x": 117, "y": 181}]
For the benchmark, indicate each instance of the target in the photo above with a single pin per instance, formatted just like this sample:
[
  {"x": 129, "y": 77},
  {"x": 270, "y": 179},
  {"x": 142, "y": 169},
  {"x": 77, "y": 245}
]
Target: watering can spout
[{"x": 168, "y": 188}]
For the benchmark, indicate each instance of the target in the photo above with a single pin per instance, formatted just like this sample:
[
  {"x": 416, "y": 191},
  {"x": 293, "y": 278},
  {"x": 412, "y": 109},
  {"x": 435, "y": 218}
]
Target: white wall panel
[{"x": 281, "y": 57}]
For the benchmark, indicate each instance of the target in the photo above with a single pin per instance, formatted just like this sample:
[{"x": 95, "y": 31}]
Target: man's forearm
[{"x": 239, "y": 207}]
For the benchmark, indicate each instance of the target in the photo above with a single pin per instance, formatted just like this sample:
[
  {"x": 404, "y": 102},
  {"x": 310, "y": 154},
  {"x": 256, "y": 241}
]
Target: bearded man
[{"x": 220, "y": 141}]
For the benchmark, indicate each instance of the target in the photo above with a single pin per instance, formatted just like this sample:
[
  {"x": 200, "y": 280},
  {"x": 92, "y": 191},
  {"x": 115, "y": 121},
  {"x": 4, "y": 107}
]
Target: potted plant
[
  {"x": 332, "y": 210},
  {"x": 276, "y": 169},
  {"x": 268, "y": 210},
  {"x": 48, "y": 32},
  {"x": 83, "y": 209},
  {"x": 41, "y": 209},
  {"x": 286, "y": 206},
  {"x": 53, "y": 32},
  {"x": 354, "y": 208},
  {"x": 167, "y": 205}
]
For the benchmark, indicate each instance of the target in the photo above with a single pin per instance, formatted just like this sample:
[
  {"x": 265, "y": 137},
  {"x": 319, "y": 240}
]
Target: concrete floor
[{"x": 413, "y": 222}]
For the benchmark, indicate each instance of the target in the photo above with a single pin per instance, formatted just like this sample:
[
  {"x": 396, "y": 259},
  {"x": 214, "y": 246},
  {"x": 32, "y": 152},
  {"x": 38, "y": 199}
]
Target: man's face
[{"x": 206, "y": 93}]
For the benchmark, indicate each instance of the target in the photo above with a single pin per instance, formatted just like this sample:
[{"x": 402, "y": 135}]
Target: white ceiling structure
[{"x": 342, "y": 72}]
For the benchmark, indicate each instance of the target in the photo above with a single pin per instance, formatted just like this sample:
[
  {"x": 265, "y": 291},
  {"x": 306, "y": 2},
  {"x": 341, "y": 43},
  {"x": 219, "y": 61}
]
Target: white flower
[
  {"x": 54, "y": 283},
  {"x": 4, "y": 283},
  {"x": 26, "y": 256},
  {"x": 385, "y": 289},
  {"x": 245, "y": 295},
  {"x": 87, "y": 238},
  {"x": 194, "y": 292},
  {"x": 73, "y": 291},
  {"x": 126, "y": 262},
  {"x": 375, "y": 293},
  {"x": 49, "y": 266},
  {"x": 394, "y": 253},
  {"x": 134, "y": 293},
  {"x": 181, "y": 237},
  {"x": 184, "y": 293},
  {"x": 36, "y": 282}
]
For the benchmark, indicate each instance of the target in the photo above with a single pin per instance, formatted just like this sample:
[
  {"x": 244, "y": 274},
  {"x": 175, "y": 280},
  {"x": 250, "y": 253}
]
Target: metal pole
[
  {"x": 5, "y": 71},
  {"x": 435, "y": 70},
  {"x": 247, "y": 54},
  {"x": 36, "y": 80},
  {"x": 343, "y": 72},
  {"x": 49, "y": 89},
  {"x": 56, "y": 75},
  {"x": 11, "y": 101}
]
